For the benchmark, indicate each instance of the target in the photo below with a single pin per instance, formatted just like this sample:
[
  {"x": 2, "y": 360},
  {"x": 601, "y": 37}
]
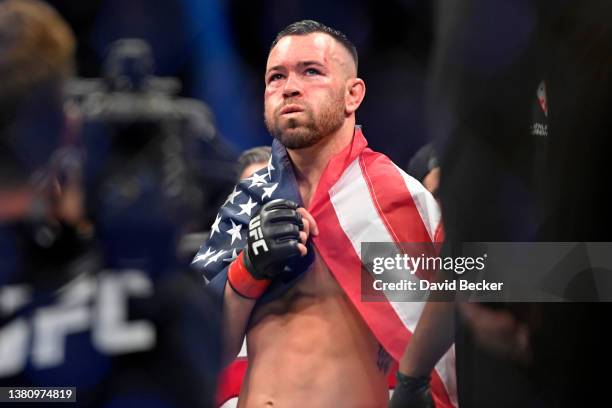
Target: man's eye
[
  {"x": 275, "y": 77},
  {"x": 312, "y": 71}
]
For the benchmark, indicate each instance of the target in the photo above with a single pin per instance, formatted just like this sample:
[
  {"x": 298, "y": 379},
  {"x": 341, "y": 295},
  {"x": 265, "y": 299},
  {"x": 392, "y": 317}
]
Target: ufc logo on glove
[{"x": 256, "y": 233}]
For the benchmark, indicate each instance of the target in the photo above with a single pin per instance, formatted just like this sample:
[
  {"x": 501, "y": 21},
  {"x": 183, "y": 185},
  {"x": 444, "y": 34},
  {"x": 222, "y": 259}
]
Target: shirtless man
[{"x": 309, "y": 346}]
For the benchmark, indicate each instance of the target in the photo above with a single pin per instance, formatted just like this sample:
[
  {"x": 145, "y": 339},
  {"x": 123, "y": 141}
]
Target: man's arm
[
  {"x": 236, "y": 313},
  {"x": 277, "y": 233},
  {"x": 432, "y": 337}
]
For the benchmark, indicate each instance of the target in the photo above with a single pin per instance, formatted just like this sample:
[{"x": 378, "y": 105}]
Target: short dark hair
[
  {"x": 306, "y": 27},
  {"x": 259, "y": 154}
]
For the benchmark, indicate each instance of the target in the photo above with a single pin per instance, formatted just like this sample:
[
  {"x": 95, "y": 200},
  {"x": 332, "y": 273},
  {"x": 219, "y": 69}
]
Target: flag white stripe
[
  {"x": 354, "y": 208},
  {"x": 230, "y": 403}
]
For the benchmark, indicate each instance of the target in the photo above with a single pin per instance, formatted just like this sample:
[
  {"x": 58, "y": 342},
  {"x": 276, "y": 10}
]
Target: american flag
[
  {"x": 362, "y": 196},
  {"x": 228, "y": 233}
]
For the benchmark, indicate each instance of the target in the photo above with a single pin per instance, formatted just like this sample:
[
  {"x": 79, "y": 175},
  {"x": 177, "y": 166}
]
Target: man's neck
[{"x": 309, "y": 163}]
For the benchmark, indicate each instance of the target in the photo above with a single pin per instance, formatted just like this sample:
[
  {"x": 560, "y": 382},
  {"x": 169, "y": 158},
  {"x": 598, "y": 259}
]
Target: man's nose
[{"x": 292, "y": 87}]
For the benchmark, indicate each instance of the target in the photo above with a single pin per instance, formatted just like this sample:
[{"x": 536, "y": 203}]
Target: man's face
[{"x": 305, "y": 89}]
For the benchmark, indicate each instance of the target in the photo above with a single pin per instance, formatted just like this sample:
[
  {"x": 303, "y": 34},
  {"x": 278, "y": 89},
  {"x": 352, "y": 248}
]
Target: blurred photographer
[
  {"x": 147, "y": 146},
  {"x": 36, "y": 49},
  {"x": 68, "y": 316}
]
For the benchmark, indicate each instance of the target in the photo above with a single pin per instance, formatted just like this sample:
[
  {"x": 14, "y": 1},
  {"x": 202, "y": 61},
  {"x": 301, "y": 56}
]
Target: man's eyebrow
[
  {"x": 275, "y": 68},
  {"x": 308, "y": 63},
  {"x": 300, "y": 64}
]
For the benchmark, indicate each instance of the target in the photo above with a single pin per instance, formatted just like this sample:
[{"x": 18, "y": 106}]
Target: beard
[{"x": 307, "y": 129}]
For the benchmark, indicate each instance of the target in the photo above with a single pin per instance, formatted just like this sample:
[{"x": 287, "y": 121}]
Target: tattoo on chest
[{"x": 383, "y": 360}]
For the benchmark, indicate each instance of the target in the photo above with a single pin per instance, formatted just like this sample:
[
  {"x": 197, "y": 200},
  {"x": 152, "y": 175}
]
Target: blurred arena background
[
  {"x": 167, "y": 94},
  {"x": 164, "y": 98},
  {"x": 208, "y": 59},
  {"x": 218, "y": 49}
]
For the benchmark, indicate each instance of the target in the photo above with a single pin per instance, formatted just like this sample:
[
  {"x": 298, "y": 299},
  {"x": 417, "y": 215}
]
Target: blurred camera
[{"x": 154, "y": 162}]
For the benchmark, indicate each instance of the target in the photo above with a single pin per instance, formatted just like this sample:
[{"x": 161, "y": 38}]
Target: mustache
[{"x": 305, "y": 106}]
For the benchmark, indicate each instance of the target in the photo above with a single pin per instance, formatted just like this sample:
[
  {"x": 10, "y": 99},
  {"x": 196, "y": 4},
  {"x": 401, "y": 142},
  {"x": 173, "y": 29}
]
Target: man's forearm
[
  {"x": 432, "y": 337},
  {"x": 278, "y": 231},
  {"x": 236, "y": 313}
]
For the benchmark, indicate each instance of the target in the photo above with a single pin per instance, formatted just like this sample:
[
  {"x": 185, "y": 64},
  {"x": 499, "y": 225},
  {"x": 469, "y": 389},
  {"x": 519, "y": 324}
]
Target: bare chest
[
  {"x": 316, "y": 311},
  {"x": 317, "y": 291},
  {"x": 308, "y": 339}
]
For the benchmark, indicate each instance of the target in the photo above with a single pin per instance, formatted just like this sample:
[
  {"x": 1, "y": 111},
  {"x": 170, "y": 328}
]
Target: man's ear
[{"x": 355, "y": 92}]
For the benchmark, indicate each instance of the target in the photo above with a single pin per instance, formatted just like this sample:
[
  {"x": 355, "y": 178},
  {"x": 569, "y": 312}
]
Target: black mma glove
[
  {"x": 411, "y": 392},
  {"x": 273, "y": 237}
]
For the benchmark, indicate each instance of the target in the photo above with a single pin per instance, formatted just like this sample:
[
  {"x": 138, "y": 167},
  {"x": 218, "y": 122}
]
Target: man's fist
[
  {"x": 277, "y": 233},
  {"x": 274, "y": 234},
  {"x": 411, "y": 392}
]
